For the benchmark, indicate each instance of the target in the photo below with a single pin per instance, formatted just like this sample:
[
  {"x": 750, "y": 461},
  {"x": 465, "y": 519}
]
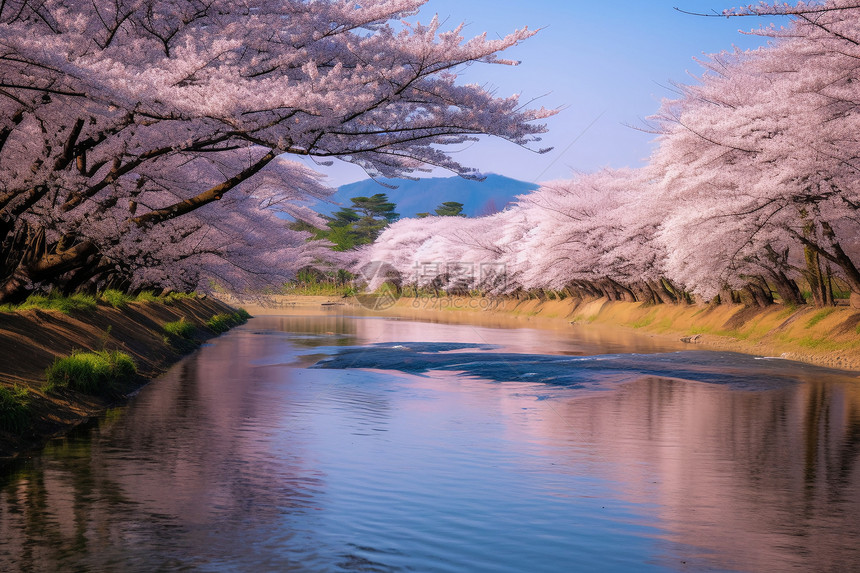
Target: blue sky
[{"x": 607, "y": 64}]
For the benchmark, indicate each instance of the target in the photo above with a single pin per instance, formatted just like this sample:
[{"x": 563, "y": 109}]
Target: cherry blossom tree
[
  {"x": 593, "y": 235},
  {"x": 764, "y": 154},
  {"x": 752, "y": 189},
  {"x": 121, "y": 119},
  {"x": 596, "y": 234}
]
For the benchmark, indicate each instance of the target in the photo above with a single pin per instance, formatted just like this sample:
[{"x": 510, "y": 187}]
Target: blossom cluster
[
  {"x": 753, "y": 188},
  {"x": 143, "y": 142}
]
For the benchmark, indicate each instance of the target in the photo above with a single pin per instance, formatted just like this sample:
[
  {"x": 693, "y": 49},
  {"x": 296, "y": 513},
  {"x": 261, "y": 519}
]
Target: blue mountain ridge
[{"x": 423, "y": 196}]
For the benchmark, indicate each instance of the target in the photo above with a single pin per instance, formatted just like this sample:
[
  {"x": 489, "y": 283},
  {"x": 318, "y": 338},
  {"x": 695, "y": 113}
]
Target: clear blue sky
[{"x": 608, "y": 64}]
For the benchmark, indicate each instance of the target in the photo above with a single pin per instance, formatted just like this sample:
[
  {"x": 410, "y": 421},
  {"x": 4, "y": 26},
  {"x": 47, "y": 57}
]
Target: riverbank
[
  {"x": 30, "y": 341},
  {"x": 826, "y": 337}
]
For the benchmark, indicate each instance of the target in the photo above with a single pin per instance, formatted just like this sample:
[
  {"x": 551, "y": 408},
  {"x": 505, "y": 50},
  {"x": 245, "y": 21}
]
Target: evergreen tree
[
  {"x": 357, "y": 225},
  {"x": 446, "y": 209},
  {"x": 450, "y": 209}
]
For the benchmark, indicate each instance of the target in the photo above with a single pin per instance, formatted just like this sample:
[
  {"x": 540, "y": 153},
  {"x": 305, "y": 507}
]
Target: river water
[{"x": 336, "y": 443}]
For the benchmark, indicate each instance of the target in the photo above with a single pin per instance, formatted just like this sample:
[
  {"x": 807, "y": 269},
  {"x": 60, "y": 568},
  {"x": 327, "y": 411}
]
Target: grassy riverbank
[{"x": 153, "y": 332}]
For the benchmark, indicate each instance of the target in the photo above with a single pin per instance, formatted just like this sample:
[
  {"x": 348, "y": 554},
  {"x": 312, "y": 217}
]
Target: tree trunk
[
  {"x": 644, "y": 293},
  {"x": 758, "y": 293},
  {"x": 616, "y": 291},
  {"x": 664, "y": 294},
  {"x": 34, "y": 268},
  {"x": 728, "y": 296},
  {"x": 836, "y": 255},
  {"x": 787, "y": 288},
  {"x": 813, "y": 276}
]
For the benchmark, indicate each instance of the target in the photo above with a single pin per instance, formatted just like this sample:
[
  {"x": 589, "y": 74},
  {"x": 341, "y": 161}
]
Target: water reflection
[
  {"x": 242, "y": 459},
  {"x": 754, "y": 481}
]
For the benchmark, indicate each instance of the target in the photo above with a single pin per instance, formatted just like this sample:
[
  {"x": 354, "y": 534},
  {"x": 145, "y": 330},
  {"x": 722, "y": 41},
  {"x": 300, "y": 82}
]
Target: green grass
[
  {"x": 179, "y": 328},
  {"x": 94, "y": 373},
  {"x": 411, "y": 291},
  {"x": 180, "y": 335},
  {"x": 818, "y": 343},
  {"x": 14, "y": 409},
  {"x": 64, "y": 304},
  {"x": 788, "y": 311},
  {"x": 119, "y": 299},
  {"x": 116, "y": 298},
  {"x": 84, "y": 303},
  {"x": 819, "y": 316},
  {"x": 148, "y": 296},
  {"x": 643, "y": 322},
  {"x": 175, "y": 296},
  {"x": 310, "y": 283},
  {"x": 225, "y": 321}
]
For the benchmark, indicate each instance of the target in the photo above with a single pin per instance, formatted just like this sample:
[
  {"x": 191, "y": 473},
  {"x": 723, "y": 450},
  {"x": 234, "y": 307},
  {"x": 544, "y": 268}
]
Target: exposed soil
[{"x": 31, "y": 340}]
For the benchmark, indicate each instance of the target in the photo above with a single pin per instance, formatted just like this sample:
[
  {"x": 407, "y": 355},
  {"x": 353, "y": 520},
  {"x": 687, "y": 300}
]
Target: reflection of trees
[
  {"x": 832, "y": 416},
  {"x": 310, "y": 331},
  {"x": 197, "y": 459},
  {"x": 51, "y": 509},
  {"x": 754, "y": 480}
]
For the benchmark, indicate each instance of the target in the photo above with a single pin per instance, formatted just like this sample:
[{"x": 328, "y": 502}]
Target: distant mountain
[{"x": 424, "y": 195}]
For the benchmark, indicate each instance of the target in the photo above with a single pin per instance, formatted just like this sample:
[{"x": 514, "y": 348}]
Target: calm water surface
[{"x": 363, "y": 444}]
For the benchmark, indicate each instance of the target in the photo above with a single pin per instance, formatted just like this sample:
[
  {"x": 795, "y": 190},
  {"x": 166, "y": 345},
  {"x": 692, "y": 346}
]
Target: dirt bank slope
[{"x": 30, "y": 341}]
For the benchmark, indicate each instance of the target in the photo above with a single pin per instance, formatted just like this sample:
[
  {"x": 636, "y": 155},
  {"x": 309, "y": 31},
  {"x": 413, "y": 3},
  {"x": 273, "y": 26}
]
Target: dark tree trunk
[
  {"x": 758, "y": 293},
  {"x": 644, "y": 293},
  {"x": 87, "y": 273},
  {"x": 616, "y": 291},
  {"x": 664, "y": 294},
  {"x": 836, "y": 255},
  {"x": 828, "y": 286},
  {"x": 35, "y": 268},
  {"x": 787, "y": 288},
  {"x": 814, "y": 277}
]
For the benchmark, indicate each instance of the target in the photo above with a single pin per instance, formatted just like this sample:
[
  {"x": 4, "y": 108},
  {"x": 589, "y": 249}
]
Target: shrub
[
  {"x": 90, "y": 372},
  {"x": 225, "y": 321},
  {"x": 179, "y": 328},
  {"x": 14, "y": 409},
  {"x": 219, "y": 323}
]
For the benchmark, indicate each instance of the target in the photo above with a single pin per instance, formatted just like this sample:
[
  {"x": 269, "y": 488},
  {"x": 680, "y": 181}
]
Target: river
[{"x": 338, "y": 443}]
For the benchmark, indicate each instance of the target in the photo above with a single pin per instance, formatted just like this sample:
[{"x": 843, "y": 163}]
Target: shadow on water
[
  {"x": 740, "y": 371},
  {"x": 424, "y": 447}
]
